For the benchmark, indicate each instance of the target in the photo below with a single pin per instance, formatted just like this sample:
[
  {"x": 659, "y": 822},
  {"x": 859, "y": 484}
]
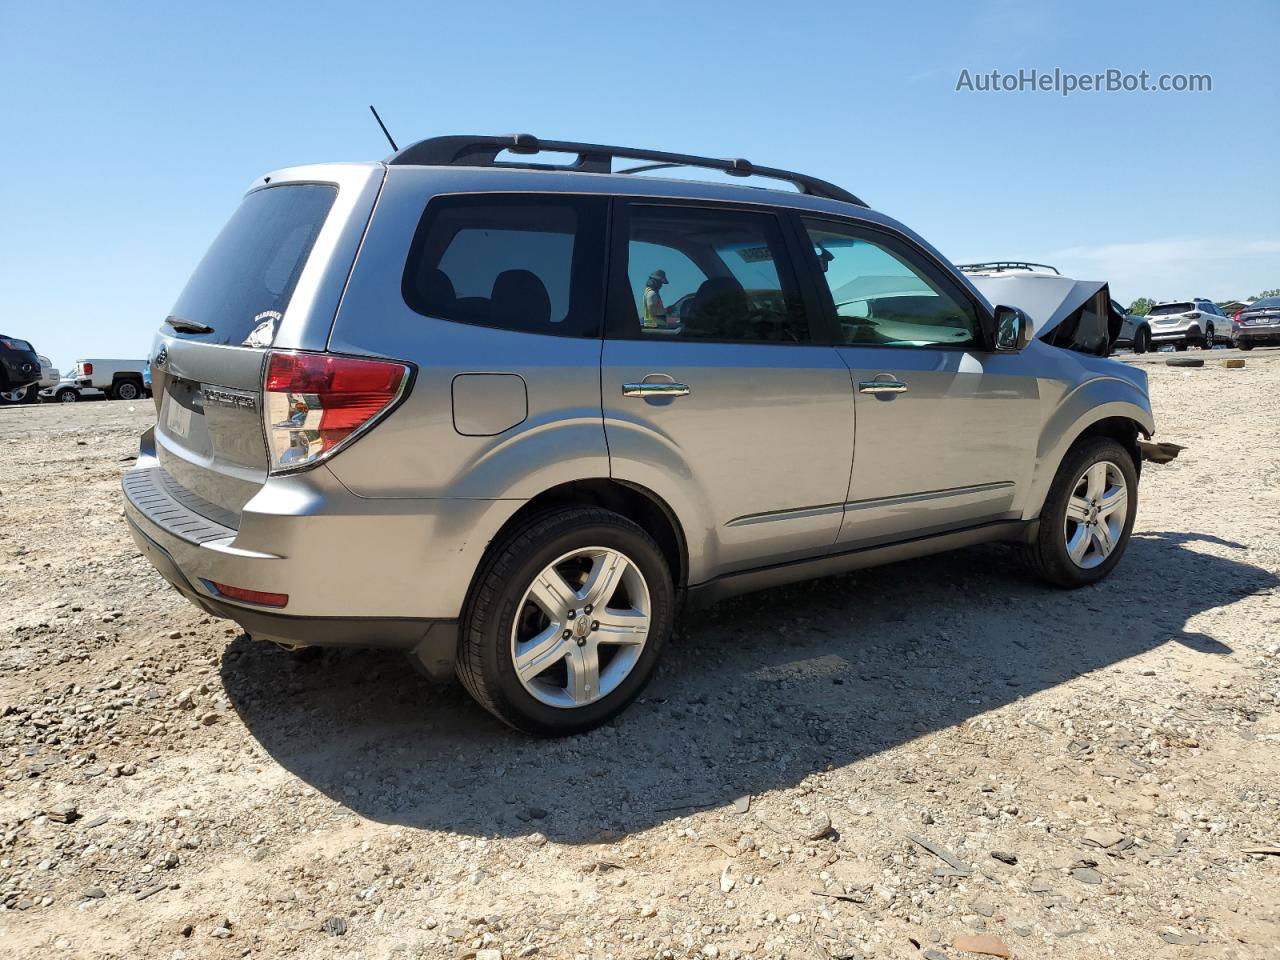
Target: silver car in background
[
  {"x": 1188, "y": 323},
  {"x": 445, "y": 404}
]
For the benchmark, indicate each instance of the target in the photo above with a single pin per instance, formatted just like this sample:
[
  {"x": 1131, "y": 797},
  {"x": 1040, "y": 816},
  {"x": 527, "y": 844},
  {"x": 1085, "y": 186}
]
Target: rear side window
[
  {"x": 703, "y": 273},
  {"x": 243, "y": 285},
  {"x": 528, "y": 263}
]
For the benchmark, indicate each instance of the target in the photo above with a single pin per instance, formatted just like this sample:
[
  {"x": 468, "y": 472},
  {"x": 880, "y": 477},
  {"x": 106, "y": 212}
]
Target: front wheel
[
  {"x": 1207, "y": 343},
  {"x": 1088, "y": 515},
  {"x": 565, "y": 621},
  {"x": 68, "y": 395},
  {"x": 1142, "y": 340}
]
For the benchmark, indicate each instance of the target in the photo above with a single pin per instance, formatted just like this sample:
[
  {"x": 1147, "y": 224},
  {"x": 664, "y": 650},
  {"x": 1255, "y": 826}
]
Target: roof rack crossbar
[
  {"x": 998, "y": 266},
  {"x": 594, "y": 158}
]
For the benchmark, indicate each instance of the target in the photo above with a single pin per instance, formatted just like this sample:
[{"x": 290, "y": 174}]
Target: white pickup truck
[{"x": 118, "y": 379}]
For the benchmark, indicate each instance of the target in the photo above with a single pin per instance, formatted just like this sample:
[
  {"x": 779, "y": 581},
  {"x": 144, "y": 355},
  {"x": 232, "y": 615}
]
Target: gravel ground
[{"x": 877, "y": 765}]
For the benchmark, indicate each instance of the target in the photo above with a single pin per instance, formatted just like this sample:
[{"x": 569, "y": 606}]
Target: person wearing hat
[{"x": 655, "y": 311}]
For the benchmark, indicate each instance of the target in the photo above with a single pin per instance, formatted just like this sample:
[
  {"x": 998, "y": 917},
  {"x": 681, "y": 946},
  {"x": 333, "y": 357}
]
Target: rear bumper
[
  {"x": 1262, "y": 334},
  {"x": 1182, "y": 333},
  {"x": 357, "y": 571},
  {"x": 434, "y": 642}
]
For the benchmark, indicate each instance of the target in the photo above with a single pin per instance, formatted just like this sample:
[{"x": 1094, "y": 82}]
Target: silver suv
[{"x": 510, "y": 417}]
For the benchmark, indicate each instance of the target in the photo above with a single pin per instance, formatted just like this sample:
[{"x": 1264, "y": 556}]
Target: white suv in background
[{"x": 1184, "y": 323}]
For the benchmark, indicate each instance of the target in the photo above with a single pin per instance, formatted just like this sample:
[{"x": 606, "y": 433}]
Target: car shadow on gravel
[{"x": 754, "y": 694}]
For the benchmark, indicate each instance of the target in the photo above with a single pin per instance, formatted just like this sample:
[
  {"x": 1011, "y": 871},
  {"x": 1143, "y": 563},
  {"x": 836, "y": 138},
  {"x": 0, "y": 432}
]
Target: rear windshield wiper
[{"x": 188, "y": 326}]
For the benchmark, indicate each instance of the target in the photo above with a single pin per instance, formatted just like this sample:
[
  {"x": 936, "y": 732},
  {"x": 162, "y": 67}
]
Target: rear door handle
[
  {"x": 662, "y": 389},
  {"x": 882, "y": 386}
]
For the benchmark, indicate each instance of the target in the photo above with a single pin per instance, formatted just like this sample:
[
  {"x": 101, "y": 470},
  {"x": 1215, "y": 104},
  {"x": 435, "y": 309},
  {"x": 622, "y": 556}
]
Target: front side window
[
  {"x": 700, "y": 273},
  {"x": 527, "y": 263},
  {"x": 882, "y": 300}
]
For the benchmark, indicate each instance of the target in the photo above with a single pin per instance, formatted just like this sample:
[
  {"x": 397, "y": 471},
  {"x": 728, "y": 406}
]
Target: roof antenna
[{"x": 384, "y": 128}]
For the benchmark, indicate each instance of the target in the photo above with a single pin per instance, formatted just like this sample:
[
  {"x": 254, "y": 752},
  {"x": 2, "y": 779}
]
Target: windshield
[
  {"x": 242, "y": 286},
  {"x": 1167, "y": 308}
]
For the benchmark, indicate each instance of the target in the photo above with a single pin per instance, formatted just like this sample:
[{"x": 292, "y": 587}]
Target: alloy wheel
[
  {"x": 1096, "y": 513},
  {"x": 581, "y": 627}
]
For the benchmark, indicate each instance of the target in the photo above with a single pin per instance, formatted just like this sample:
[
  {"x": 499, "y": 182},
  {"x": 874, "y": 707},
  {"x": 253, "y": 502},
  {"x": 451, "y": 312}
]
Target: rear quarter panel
[{"x": 419, "y": 451}]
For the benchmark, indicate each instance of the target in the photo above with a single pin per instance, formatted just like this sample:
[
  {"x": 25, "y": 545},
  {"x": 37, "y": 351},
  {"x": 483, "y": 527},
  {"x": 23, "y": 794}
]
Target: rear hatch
[
  {"x": 272, "y": 277},
  {"x": 22, "y": 366},
  {"x": 1170, "y": 315}
]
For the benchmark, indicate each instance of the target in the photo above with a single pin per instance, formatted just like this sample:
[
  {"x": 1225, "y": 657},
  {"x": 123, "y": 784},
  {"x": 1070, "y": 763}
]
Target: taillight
[
  {"x": 315, "y": 403},
  {"x": 1193, "y": 315},
  {"x": 1235, "y": 317},
  {"x": 87, "y": 369}
]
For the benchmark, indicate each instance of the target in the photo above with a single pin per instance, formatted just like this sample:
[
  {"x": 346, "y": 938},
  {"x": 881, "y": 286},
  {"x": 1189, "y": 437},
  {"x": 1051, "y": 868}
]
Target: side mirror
[{"x": 1012, "y": 330}]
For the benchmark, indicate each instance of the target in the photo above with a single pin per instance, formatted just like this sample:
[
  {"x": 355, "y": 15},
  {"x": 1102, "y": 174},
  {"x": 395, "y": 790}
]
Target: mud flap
[{"x": 1158, "y": 452}]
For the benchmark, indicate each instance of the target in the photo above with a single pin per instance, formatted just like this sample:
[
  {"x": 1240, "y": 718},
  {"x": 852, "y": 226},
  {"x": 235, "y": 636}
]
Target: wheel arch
[
  {"x": 631, "y": 500},
  {"x": 1106, "y": 407}
]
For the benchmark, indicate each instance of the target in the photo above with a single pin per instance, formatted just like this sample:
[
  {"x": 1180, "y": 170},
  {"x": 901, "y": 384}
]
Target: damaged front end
[{"x": 1071, "y": 314}]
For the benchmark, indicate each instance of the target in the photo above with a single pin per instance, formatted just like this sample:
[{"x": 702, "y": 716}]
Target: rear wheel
[
  {"x": 1142, "y": 340},
  {"x": 565, "y": 622},
  {"x": 9, "y": 398},
  {"x": 1244, "y": 346},
  {"x": 1181, "y": 345},
  {"x": 126, "y": 390},
  {"x": 1088, "y": 516}
]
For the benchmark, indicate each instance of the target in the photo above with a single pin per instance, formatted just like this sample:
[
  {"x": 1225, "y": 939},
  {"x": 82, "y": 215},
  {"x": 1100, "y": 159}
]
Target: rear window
[
  {"x": 1167, "y": 308},
  {"x": 1264, "y": 303},
  {"x": 17, "y": 344},
  {"x": 242, "y": 286},
  {"x": 528, "y": 263}
]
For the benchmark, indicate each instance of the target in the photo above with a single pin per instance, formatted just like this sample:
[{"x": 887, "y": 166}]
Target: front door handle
[
  {"x": 882, "y": 386},
  {"x": 663, "y": 388}
]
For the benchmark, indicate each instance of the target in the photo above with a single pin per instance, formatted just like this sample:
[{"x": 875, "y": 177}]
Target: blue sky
[{"x": 131, "y": 129}]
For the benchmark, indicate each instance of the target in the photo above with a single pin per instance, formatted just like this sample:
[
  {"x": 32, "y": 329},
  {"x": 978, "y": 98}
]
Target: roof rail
[
  {"x": 999, "y": 266},
  {"x": 594, "y": 158}
]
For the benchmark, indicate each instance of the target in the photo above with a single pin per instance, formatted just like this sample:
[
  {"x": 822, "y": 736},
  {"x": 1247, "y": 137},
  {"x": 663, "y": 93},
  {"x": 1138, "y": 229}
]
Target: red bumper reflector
[{"x": 251, "y": 596}]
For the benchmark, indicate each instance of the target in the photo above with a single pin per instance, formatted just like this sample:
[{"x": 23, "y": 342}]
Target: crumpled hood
[{"x": 1045, "y": 298}]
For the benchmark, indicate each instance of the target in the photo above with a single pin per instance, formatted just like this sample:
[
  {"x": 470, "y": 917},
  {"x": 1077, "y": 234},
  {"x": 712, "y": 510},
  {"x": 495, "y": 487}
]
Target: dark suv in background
[{"x": 19, "y": 368}]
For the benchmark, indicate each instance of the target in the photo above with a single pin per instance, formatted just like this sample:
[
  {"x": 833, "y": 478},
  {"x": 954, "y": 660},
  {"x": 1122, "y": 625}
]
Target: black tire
[
  {"x": 1181, "y": 345},
  {"x": 67, "y": 395},
  {"x": 485, "y": 664},
  {"x": 11, "y": 397},
  {"x": 1244, "y": 346},
  {"x": 126, "y": 390},
  {"x": 1142, "y": 340},
  {"x": 1207, "y": 342},
  {"x": 1047, "y": 556}
]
